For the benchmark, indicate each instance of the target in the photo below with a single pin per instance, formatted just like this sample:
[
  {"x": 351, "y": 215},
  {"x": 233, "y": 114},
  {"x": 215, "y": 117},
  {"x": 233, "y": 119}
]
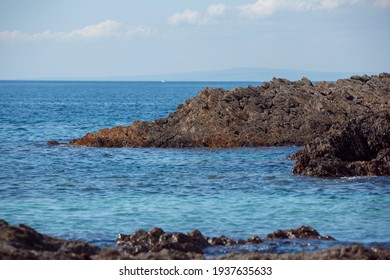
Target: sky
[{"x": 91, "y": 39}]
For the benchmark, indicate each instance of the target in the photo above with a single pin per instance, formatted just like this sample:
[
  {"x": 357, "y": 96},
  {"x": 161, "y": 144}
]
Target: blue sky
[{"x": 89, "y": 39}]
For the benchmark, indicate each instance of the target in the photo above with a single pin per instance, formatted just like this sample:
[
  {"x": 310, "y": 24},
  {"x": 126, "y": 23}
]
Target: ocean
[{"x": 93, "y": 194}]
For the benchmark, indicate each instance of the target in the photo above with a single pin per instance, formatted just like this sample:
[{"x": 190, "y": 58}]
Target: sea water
[{"x": 93, "y": 194}]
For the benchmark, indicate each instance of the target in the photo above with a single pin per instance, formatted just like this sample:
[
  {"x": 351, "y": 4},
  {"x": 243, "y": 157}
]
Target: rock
[
  {"x": 221, "y": 241},
  {"x": 279, "y": 112},
  {"x": 24, "y": 243},
  {"x": 254, "y": 240},
  {"x": 363, "y": 79},
  {"x": 360, "y": 147},
  {"x": 156, "y": 240},
  {"x": 353, "y": 252},
  {"x": 54, "y": 143},
  {"x": 305, "y": 81},
  {"x": 305, "y": 232}
]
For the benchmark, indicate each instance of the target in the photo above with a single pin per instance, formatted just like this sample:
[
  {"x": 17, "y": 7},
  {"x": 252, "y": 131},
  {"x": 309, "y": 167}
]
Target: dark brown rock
[
  {"x": 279, "y": 112},
  {"x": 156, "y": 240},
  {"x": 360, "y": 147},
  {"x": 53, "y": 143},
  {"x": 301, "y": 232},
  {"x": 221, "y": 241},
  {"x": 193, "y": 242},
  {"x": 353, "y": 252},
  {"x": 22, "y": 242},
  {"x": 254, "y": 240}
]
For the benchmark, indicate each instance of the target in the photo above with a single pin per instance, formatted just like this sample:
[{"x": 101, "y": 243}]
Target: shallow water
[{"x": 94, "y": 194}]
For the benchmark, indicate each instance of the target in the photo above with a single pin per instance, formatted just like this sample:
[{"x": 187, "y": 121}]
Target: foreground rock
[
  {"x": 22, "y": 242},
  {"x": 353, "y": 252},
  {"x": 277, "y": 113},
  {"x": 360, "y": 147}
]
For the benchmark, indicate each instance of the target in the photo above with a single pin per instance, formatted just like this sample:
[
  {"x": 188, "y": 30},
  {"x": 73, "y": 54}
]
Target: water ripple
[{"x": 94, "y": 194}]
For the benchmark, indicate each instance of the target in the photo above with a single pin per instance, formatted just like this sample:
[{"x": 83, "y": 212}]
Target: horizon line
[{"x": 247, "y": 74}]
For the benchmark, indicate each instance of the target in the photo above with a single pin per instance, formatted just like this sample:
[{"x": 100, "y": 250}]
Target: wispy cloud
[
  {"x": 260, "y": 8},
  {"x": 263, "y": 8},
  {"x": 332, "y": 4},
  {"x": 105, "y": 29},
  {"x": 195, "y": 17},
  {"x": 187, "y": 16},
  {"x": 216, "y": 10}
]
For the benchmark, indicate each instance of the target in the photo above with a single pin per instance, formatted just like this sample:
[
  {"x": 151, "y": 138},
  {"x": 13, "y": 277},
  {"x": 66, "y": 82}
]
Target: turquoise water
[{"x": 94, "y": 194}]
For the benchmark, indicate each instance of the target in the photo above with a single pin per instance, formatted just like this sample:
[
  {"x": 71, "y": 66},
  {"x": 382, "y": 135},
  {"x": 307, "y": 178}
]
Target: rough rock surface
[
  {"x": 279, "y": 112},
  {"x": 156, "y": 240},
  {"x": 353, "y": 252},
  {"x": 22, "y": 242},
  {"x": 360, "y": 147},
  {"x": 301, "y": 232}
]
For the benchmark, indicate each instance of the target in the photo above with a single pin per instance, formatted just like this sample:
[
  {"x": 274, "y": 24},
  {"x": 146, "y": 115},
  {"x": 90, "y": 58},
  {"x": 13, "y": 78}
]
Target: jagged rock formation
[
  {"x": 279, "y": 112},
  {"x": 360, "y": 147},
  {"x": 23, "y": 242},
  {"x": 156, "y": 240}
]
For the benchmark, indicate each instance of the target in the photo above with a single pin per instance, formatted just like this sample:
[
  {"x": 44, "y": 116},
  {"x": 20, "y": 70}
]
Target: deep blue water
[{"x": 94, "y": 194}]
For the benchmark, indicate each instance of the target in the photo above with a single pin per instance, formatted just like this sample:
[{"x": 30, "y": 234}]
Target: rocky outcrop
[
  {"x": 360, "y": 147},
  {"x": 279, "y": 112},
  {"x": 303, "y": 232},
  {"x": 23, "y": 242},
  {"x": 157, "y": 240}
]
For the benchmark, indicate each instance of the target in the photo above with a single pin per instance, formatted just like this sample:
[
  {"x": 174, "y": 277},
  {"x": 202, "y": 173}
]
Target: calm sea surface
[{"x": 94, "y": 194}]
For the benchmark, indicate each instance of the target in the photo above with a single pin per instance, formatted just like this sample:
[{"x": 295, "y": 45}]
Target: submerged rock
[
  {"x": 360, "y": 147},
  {"x": 279, "y": 112},
  {"x": 22, "y": 242}
]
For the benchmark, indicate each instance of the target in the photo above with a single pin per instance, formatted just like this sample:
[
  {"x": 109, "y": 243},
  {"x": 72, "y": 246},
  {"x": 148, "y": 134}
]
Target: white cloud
[
  {"x": 194, "y": 17},
  {"x": 263, "y": 8},
  {"x": 18, "y": 35},
  {"x": 109, "y": 28},
  {"x": 188, "y": 16},
  {"x": 215, "y": 11},
  {"x": 331, "y": 4},
  {"x": 105, "y": 29},
  {"x": 260, "y": 8}
]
